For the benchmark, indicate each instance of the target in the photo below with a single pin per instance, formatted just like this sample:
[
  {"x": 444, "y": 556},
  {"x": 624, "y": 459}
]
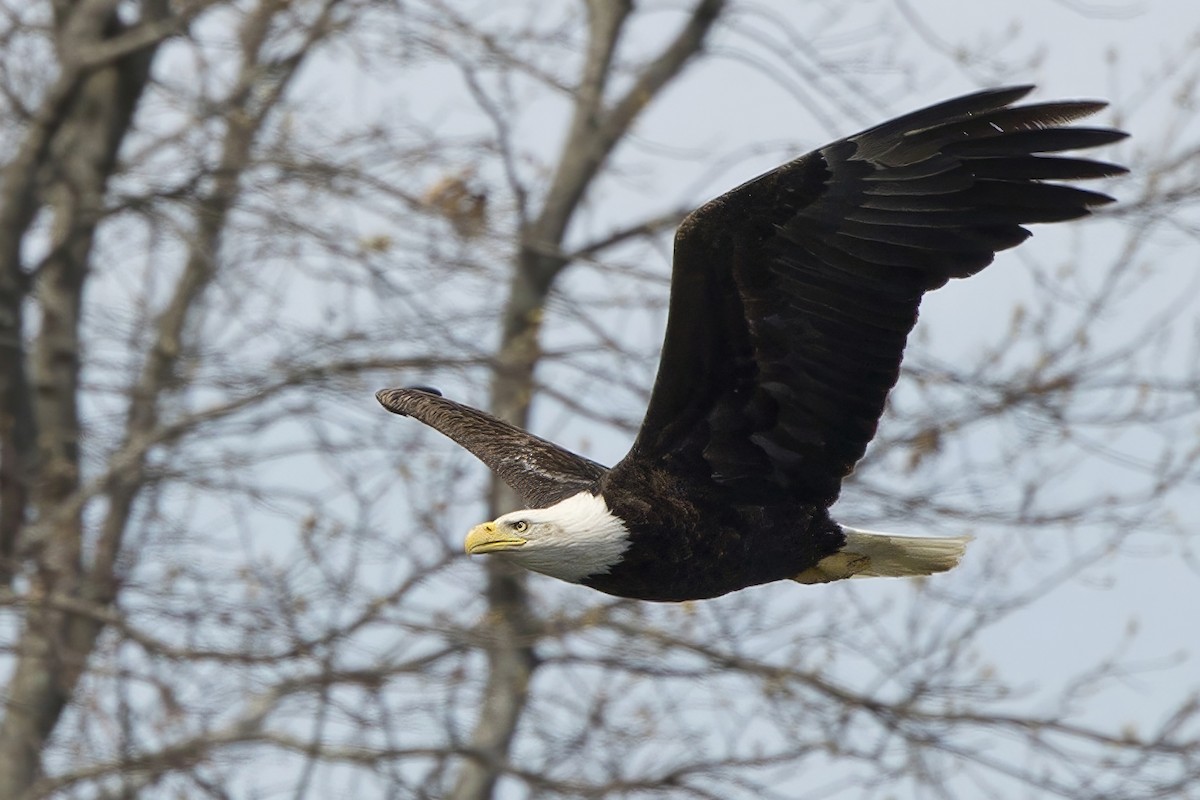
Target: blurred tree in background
[{"x": 228, "y": 573}]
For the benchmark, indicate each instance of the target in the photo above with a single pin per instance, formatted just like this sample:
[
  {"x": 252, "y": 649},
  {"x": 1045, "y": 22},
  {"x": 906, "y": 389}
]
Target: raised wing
[
  {"x": 792, "y": 295},
  {"x": 541, "y": 472}
]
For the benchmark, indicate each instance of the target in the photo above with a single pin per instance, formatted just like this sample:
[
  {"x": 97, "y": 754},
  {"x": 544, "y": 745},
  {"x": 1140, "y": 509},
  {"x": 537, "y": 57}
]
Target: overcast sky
[{"x": 1115, "y": 51}]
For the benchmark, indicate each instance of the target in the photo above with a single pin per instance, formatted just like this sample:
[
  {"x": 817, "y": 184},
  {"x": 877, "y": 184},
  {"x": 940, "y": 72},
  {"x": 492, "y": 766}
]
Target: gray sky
[
  {"x": 749, "y": 123},
  {"x": 1137, "y": 602}
]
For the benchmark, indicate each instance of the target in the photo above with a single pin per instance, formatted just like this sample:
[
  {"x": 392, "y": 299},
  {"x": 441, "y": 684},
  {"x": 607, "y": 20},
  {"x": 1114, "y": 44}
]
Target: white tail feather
[{"x": 868, "y": 554}]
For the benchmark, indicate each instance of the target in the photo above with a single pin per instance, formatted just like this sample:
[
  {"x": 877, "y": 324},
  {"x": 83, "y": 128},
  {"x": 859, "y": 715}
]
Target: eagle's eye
[{"x": 520, "y": 526}]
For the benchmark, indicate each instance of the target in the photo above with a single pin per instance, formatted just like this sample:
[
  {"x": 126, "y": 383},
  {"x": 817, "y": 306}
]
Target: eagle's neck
[{"x": 591, "y": 539}]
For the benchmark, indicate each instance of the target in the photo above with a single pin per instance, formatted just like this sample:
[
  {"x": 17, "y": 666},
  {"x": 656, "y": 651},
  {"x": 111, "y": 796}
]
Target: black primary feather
[{"x": 793, "y": 295}]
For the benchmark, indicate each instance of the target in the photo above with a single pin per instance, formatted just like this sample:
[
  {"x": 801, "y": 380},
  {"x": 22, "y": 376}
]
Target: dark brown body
[{"x": 690, "y": 545}]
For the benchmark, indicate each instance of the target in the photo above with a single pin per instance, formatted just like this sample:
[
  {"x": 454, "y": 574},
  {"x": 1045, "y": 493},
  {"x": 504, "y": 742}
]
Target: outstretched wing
[
  {"x": 541, "y": 472},
  {"x": 792, "y": 295}
]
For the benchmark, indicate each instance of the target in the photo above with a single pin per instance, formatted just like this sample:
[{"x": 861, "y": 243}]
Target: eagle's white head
[{"x": 569, "y": 540}]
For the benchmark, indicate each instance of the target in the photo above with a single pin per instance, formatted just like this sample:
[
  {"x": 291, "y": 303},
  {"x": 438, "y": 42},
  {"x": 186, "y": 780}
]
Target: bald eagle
[{"x": 791, "y": 300}]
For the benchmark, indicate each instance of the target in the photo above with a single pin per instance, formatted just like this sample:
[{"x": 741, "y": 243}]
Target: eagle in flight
[{"x": 791, "y": 300}]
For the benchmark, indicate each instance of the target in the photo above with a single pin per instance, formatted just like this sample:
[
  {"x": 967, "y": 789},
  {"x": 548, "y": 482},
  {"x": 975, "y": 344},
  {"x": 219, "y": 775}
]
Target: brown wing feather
[
  {"x": 792, "y": 295},
  {"x": 541, "y": 472}
]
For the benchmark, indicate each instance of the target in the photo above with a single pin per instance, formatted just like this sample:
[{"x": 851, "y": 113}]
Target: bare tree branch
[{"x": 228, "y": 573}]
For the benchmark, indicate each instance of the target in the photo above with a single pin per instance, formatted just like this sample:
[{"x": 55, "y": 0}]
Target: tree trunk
[
  {"x": 79, "y": 156},
  {"x": 596, "y": 128}
]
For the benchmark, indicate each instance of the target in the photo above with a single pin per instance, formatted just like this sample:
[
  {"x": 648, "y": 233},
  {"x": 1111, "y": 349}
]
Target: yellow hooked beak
[{"x": 486, "y": 538}]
